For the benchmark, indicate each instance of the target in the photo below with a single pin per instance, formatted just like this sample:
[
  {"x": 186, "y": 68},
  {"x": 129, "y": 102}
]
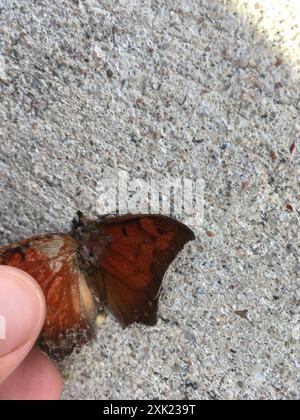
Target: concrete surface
[{"x": 193, "y": 88}]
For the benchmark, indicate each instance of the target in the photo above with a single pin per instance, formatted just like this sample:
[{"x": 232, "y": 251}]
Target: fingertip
[
  {"x": 22, "y": 309},
  {"x": 37, "y": 378},
  {"x": 16, "y": 274},
  {"x": 22, "y": 315}
]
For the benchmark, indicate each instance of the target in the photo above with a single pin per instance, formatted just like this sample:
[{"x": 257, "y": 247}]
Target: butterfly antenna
[{"x": 78, "y": 221}]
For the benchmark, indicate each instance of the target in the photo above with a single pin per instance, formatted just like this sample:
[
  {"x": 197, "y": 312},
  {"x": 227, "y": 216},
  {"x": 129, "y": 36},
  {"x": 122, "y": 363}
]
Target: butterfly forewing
[
  {"x": 135, "y": 262},
  {"x": 51, "y": 261}
]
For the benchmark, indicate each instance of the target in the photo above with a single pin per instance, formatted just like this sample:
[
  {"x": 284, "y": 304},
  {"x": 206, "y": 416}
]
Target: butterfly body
[{"x": 116, "y": 262}]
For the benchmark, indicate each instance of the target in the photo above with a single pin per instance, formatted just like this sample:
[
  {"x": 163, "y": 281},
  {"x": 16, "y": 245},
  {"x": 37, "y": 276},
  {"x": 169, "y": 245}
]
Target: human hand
[{"x": 25, "y": 372}]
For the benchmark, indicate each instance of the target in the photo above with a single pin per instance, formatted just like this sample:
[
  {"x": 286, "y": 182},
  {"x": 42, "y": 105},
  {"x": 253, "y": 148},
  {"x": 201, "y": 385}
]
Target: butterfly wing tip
[
  {"x": 189, "y": 235},
  {"x": 192, "y": 236}
]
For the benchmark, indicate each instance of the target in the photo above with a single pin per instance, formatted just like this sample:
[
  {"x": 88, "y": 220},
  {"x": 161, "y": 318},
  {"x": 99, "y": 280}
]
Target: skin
[{"x": 25, "y": 372}]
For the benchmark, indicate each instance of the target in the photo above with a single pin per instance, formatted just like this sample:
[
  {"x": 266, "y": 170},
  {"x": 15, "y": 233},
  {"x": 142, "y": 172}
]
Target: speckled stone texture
[{"x": 181, "y": 88}]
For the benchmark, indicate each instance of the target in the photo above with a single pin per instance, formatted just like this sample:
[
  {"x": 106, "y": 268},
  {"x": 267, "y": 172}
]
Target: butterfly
[{"x": 115, "y": 262}]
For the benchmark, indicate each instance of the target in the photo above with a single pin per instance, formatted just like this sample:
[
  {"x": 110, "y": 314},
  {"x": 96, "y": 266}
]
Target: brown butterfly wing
[
  {"x": 135, "y": 262},
  {"x": 51, "y": 260}
]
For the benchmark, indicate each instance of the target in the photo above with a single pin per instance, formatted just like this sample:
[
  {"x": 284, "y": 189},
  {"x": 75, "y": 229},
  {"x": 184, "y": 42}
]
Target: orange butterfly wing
[
  {"x": 51, "y": 260},
  {"x": 135, "y": 262}
]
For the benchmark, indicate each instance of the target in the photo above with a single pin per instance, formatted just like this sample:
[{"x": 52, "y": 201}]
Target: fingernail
[{"x": 22, "y": 309}]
